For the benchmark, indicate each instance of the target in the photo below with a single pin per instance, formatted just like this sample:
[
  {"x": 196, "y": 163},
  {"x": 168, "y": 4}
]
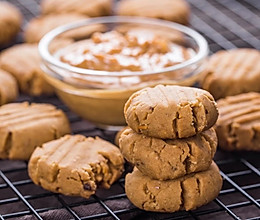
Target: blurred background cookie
[
  {"x": 238, "y": 126},
  {"x": 170, "y": 111},
  {"x": 10, "y": 22},
  {"x": 168, "y": 159},
  {"x": 232, "y": 72},
  {"x": 39, "y": 26},
  {"x": 185, "y": 193},
  {"x": 173, "y": 10},
  {"x": 25, "y": 126},
  {"x": 23, "y": 62},
  {"x": 8, "y": 87},
  {"x": 76, "y": 165},
  {"x": 92, "y": 8}
]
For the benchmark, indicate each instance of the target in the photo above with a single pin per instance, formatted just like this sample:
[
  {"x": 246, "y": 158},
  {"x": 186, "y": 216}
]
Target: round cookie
[
  {"x": 25, "y": 126},
  {"x": 10, "y": 22},
  {"x": 238, "y": 126},
  {"x": 92, "y": 8},
  {"x": 23, "y": 62},
  {"x": 185, "y": 193},
  {"x": 41, "y": 25},
  {"x": 8, "y": 87},
  {"x": 173, "y": 10},
  {"x": 170, "y": 112},
  {"x": 239, "y": 67},
  {"x": 76, "y": 165},
  {"x": 168, "y": 159}
]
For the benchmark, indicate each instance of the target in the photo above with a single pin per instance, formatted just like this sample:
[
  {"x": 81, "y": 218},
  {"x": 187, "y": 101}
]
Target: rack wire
[{"x": 225, "y": 24}]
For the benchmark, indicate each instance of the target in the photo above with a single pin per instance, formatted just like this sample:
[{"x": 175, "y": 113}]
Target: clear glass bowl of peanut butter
[{"x": 109, "y": 58}]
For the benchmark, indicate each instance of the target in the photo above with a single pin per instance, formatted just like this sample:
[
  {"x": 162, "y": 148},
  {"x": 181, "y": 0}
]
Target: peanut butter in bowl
[
  {"x": 116, "y": 52},
  {"x": 94, "y": 77}
]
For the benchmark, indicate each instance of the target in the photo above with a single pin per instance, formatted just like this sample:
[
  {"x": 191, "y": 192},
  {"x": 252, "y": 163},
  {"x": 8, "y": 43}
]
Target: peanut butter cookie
[
  {"x": 23, "y": 62},
  {"x": 8, "y": 87},
  {"x": 238, "y": 126},
  {"x": 92, "y": 8},
  {"x": 185, "y": 193},
  {"x": 76, "y": 165},
  {"x": 238, "y": 67},
  {"x": 10, "y": 22},
  {"x": 23, "y": 127},
  {"x": 177, "y": 10},
  {"x": 168, "y": 159},
  {"x": 41, "y": 25},
  {"x": 170, "y": 111}
]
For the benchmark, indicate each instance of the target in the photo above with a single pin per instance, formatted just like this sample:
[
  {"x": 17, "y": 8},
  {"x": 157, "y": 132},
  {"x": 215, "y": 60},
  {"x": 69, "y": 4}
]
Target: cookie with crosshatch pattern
[
  {"x": 238, "y": 126},
  {"x": 76, "y": 165},
  {"x": 24, "y": 126},
  {"x": 232, "y": 72}
]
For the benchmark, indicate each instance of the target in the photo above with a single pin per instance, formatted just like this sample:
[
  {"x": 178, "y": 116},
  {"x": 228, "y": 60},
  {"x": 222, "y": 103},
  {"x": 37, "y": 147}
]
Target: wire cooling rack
[{"x": 226, "y": 24}]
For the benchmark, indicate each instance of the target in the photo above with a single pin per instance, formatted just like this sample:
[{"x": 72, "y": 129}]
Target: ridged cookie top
[
  {"x": 170, "y": 111},
  {"x": 8, "y": 87},
  {"x": 76, "y": 160},
  {"x": 15, "y": 114},
  {"x": 238, "y": 126},
  {"x": 23, "y": 126},
  {"x": 92, "y": 8},
  {"x": 225, "y": 68}
]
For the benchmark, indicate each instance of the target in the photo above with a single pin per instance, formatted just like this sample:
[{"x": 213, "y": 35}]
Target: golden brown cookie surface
[
  {"x": 41, "y": 25},
  {"x": 23, "y": 62},
  {"x": 170, "y": 111},
  {"x": 76, "y": 165},
  {"x": 10, "y": 22},
  {"x": 23, "y": 127},
  {"x": 168, "y": 159},
  {"x": 238, "y": 67},
  {"x": 177, "y": 10},
  {"x": 86, "y": 7},
  {"x": 8, "y": 87},
  {"x": 238, "y": 126},
  {"x": 185, "y": 193}
]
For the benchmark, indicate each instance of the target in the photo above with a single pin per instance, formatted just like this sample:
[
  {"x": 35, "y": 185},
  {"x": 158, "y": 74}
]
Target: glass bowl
[{"x": 99, "y": 96}]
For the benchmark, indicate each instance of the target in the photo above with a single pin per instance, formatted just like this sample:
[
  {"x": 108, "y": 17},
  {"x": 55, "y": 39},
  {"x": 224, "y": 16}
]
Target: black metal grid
[{"x": 226, "y": 24}]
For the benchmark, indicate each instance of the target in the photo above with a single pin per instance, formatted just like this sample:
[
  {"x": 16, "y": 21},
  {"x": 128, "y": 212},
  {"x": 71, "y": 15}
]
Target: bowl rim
[{"x": 48, "y": 58}]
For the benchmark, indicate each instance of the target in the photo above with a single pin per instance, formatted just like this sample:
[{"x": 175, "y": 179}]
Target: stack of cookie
[{"x": 171, "y": 143}]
